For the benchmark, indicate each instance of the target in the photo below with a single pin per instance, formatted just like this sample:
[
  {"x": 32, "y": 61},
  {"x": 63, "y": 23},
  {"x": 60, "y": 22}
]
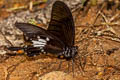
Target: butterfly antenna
[{"x": 73, "y": 66}]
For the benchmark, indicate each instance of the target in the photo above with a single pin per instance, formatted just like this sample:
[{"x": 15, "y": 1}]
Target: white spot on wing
[
  {"x": 42, "y": 50},
  {"x": 42, "y": 40},
  {"x": 38, "y": 37},
  {"x": 40, "y": 43},
  {"x": 47, "y": 39}
]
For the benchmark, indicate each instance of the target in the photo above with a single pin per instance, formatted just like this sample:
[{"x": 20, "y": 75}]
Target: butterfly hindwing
[
  {"x": 39, "y": 39},
  {"x": 31, "y": 30},
  {"x": 61, "y": 24}
]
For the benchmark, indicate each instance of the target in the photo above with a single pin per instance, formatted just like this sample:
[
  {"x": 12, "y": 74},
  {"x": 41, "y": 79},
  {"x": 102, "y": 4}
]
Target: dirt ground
[{"x": 97, "y": 38}]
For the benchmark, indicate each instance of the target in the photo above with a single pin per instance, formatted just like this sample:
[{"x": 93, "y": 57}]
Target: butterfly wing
[
  {"x": 39, "y": 40},
  {"x": 61, "y": 24},
  {"x": 31, "y": 30}
]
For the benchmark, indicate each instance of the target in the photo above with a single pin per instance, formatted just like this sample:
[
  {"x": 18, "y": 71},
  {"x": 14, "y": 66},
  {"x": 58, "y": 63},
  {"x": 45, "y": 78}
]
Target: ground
[{"x": 96, "y": 35}]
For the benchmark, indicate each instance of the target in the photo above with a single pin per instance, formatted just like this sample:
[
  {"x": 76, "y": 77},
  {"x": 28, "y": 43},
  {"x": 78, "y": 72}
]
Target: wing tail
[{"x": 17, "y": 49}]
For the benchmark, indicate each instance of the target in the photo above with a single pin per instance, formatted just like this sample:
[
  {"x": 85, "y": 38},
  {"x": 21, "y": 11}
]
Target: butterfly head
[{"x": 69, "y": 53}]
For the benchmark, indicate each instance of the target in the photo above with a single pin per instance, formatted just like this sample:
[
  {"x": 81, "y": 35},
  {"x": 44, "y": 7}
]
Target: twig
[
  {"x": 14, "y": 67},
  {"x": 115, "y": 16}
]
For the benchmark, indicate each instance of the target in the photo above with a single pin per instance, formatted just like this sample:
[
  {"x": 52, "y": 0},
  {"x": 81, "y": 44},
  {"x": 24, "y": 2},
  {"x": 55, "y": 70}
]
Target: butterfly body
[{"x": 58, "y": 39}]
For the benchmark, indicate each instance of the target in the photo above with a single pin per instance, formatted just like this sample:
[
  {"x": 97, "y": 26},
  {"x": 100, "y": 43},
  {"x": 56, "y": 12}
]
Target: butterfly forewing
[{"x": 61, "y": 24}]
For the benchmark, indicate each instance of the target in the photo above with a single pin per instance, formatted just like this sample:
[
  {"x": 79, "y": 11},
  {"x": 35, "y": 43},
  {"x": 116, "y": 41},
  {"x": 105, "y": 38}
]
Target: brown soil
[{"x": 98, "y": 41}]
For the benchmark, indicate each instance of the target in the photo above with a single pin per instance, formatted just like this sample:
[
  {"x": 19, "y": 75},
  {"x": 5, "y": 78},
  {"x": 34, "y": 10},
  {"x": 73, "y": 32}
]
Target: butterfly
[{"x": 57, "y": 40}]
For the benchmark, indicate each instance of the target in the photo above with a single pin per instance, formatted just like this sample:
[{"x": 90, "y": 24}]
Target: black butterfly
[{"x": 58, "y": 39}]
